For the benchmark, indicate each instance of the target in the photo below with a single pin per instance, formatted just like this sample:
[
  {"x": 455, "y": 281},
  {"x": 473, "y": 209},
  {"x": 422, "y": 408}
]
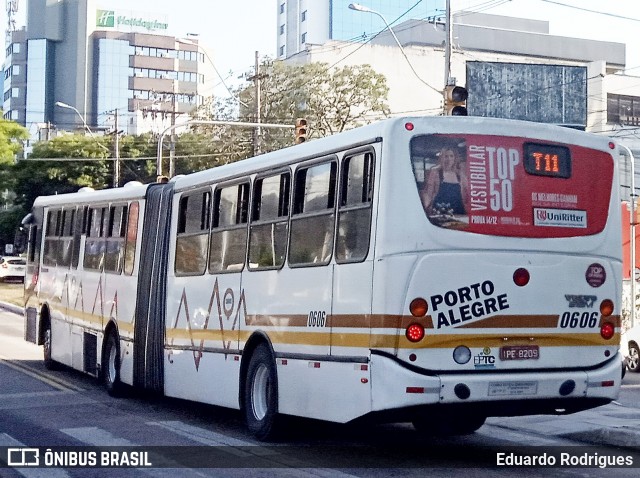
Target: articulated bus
[{"x": 433, "y": 270}]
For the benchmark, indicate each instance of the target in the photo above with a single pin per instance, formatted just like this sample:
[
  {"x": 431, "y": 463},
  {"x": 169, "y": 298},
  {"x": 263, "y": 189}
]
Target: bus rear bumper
[{"x": 396, "y": 386}]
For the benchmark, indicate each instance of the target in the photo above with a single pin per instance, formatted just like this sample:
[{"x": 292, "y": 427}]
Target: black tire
[
  {"x": 260, "y": 400},
  {"x": 49, "y": 363},
  {"x": 633, "y": 361},
  {"x": 449, "y": 425},
  {"x": 111, "y": 366}
]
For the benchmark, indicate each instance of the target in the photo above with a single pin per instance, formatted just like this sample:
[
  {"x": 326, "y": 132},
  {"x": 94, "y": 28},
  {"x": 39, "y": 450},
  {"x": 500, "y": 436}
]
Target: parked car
[
  {"x": 630, "y": 347},
  {"x": 12, "y": 268}
]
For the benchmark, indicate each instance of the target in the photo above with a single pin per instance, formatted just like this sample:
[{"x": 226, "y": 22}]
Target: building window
[
  {"x": 303, "y": 16},
  {"x": 303, "y": 39},
  {"x": 282, "y": 8},
  {"x": 281, "y": 29},
  {"x": 282, "y": 50},
  {"x": 623, "y": 110}
]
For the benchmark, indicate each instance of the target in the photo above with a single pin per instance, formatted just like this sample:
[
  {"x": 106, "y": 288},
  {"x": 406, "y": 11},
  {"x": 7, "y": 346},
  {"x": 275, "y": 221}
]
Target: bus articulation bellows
[{"x": 428, "y": 269}]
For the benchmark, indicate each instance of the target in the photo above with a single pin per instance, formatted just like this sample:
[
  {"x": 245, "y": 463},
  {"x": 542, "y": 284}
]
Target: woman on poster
[{"x": 446, "y": 187}]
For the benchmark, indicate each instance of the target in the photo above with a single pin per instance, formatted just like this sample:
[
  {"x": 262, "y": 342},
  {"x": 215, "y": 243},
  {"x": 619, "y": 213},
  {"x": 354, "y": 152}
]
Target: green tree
[
  {"x": 331, "y": 99},
  {"x": 12, "y": 136}
]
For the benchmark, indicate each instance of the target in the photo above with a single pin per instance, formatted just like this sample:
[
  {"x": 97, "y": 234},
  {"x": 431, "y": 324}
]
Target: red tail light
[
  {"x": 415, "y": 333},
  {"x": 607, "y": 330}
]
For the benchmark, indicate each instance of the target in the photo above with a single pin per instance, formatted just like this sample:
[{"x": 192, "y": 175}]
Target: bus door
[
  {"x": 353, "y": 273},
  {"x": 310, "y": 252},
  {"x": 149, "y": 322}
]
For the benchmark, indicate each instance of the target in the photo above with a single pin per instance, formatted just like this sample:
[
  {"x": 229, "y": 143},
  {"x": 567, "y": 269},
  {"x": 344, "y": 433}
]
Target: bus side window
[
  {"x": 51, "y": 241},
  {"x": 114, "y": 242},
  {"x": 312, "y": 221},
  {"x": 94, "y": 245},
  {"x": 354, "y": 212},
  {"x": 79, "y": 228},
  {"x": 131, "y": 238},
  {"x": 227, "y": 249},
  {"x": 269, "y": 222},
  {"x": 193, "y": 233},
  {"x": 66, "y": 244}
]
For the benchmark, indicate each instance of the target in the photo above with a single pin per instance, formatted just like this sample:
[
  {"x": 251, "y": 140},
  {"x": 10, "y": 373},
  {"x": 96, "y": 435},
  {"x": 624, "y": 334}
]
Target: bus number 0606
[{"x": 579, "y": 319}]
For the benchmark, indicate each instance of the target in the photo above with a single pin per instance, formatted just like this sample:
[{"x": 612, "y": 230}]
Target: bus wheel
[
  {"x": 49, "y": 363},
  {"x": 261, "y": 394},
  {"x": 449, "y": 425},
  {"x": 111, "y": 366}
]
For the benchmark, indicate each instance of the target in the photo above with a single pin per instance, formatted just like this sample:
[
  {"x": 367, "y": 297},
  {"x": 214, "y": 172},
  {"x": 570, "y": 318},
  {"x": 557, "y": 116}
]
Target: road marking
[
  {"x": 8, "y": 441},
  {"x": 631, "y": 385},
  {"x": 55, "y": 382},
  {"x": 96, "y": 436}
]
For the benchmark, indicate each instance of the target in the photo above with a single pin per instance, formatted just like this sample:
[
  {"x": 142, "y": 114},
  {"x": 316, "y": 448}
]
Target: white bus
[{"x": 436, "y": 270}]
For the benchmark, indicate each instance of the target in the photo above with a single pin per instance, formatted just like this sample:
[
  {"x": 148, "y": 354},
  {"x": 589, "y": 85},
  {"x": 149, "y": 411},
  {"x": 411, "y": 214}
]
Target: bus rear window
[{"x": 509, "y": 186}]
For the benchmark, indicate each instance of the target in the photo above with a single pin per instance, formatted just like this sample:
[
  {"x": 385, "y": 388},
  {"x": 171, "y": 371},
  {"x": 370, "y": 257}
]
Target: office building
[
  {"x": 302, "y": 23},
  {"x": 78, "y": 61}
]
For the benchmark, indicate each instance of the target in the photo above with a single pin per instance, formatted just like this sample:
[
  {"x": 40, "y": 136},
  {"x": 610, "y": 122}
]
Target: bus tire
[
  {"x": 260, "y": 400},
  {"x": 633, "y": 362},
  {"x": 111, "y": 366},
  {"x": 449, "y": 425},
  {"x": 49, "y": 363}
]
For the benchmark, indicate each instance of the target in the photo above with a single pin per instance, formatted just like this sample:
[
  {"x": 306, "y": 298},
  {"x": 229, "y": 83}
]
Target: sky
[{"x": 235, "y": 29}]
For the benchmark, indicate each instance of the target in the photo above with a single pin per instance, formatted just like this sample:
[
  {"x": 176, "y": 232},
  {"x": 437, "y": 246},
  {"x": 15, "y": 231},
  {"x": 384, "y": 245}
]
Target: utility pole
[
  {"x": 172, "y": 145},
  {"x": 116, "y": 152},
  {"x": 447, "y": 45},
  {"x": 258, "y": 131}
]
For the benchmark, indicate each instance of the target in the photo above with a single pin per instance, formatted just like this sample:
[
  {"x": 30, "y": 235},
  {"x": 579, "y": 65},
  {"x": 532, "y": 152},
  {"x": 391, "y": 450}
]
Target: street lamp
[
  {"x": 69, "y": 107},
  {"x": 361, "y": 8},
  {"x": 116, "y": 165}
]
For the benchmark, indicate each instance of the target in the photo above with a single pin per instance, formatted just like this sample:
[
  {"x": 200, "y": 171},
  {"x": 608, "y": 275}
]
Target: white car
[
  {"x": 12, "y": 268},
  {"x": 630, "y": 347}
]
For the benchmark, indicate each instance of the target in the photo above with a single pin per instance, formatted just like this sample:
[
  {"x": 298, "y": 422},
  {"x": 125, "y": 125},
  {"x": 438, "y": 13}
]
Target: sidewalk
[{"x": 612, "y": 424}]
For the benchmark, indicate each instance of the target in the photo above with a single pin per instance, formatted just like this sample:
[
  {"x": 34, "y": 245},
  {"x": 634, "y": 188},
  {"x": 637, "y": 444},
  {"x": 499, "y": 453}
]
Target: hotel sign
[{"x": 130, "y": 21}]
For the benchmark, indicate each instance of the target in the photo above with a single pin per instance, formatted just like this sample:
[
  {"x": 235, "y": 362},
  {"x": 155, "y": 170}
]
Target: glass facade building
[{"x": 302, "y": 22}]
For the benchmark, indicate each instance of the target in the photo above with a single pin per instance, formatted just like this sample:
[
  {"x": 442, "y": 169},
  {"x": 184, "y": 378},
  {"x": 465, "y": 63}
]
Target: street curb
[
  {"x": 612, "y": 437},
  {"x": 16, "y": 309}
]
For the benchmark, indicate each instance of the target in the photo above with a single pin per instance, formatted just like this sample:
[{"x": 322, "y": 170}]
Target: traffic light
[
  {"x": 455, "y": 100},
  {"x": 301, "y": 130}
]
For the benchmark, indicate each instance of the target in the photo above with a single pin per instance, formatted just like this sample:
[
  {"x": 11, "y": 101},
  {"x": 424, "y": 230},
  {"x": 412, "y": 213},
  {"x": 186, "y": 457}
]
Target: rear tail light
[
  {"x": 607, "y": 330},
  {"x": 418, "y": 307},
  {"x": 606, "y": 307},
  {"x": 415, "y": 333}
]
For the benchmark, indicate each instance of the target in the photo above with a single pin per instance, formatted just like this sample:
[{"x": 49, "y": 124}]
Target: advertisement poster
[{"x": 512, "y": 186}]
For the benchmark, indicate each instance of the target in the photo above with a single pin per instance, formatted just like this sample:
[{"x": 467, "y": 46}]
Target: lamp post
[
  {"x": 361, "y": 8},
  {"x": 116, "y": 165}
]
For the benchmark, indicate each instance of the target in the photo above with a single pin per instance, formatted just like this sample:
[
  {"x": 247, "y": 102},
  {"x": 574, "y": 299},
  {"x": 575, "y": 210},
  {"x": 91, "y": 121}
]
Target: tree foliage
[
  {"x": 11, "y": 137},
  {"x": 332, "y": 100}
]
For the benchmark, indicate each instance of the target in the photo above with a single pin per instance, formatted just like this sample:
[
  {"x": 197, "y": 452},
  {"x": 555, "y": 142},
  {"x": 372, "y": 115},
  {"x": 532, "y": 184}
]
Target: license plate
[{"x": 520, "y": 352}]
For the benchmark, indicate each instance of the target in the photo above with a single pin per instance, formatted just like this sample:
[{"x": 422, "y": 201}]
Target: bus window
[
  {"x": 354, "y": 213},
  {"x": 94, "y": 246},
  {"x": 193, "y": 233},
  {"x": 114, "y": 243},
  {"x": 228, "y": 244},
  {"x": 131, "y": 238},
  {"x": 51, "y": 242},
  {"x": 312, "y": 222},
  {"x": 79, "y": 228},
  {"x": 269, "y": 222},
  {"x": 66, "y": 240}
]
